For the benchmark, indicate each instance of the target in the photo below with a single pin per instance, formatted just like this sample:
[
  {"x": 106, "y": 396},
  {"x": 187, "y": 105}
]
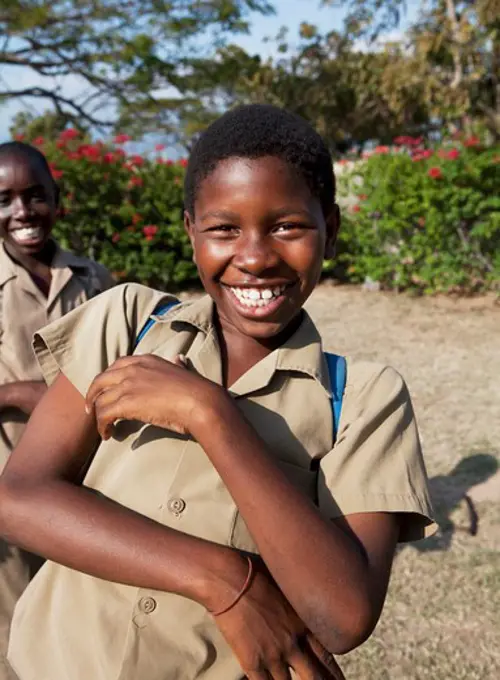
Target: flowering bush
[
  {"x": 424, "y": 218},
  {"x": 123, "y": 210}
]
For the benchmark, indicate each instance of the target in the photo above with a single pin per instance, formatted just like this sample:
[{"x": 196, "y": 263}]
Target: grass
[{"x": 442, "y": 616}]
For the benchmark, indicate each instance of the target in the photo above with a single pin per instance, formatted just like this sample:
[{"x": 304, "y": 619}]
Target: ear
[
  {"x": 332, "y": 230},
  {"x": 189, "y": 228}
]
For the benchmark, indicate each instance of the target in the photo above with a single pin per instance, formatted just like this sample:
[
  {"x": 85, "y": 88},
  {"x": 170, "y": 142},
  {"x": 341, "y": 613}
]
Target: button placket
[{"x": 147, "y": 605}]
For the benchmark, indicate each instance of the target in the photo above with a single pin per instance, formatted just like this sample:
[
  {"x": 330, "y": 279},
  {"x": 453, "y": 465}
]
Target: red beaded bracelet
[{"x": 240, "y": 594}]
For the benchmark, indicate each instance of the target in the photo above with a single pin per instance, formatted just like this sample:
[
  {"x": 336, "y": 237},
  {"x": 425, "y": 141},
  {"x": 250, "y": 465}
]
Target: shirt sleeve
[
  {"x": 376, "y": 464},
  {"x": 87, "y": 340}
]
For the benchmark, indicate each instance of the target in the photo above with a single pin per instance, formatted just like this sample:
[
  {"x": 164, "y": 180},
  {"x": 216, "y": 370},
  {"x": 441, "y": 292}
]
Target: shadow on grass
[{"x": 450, "y": 491}]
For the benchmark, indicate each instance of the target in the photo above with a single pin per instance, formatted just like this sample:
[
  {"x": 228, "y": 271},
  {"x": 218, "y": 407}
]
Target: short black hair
[
  {"x": 257, "y": 130},
  {"x": 17, "y": 149}
]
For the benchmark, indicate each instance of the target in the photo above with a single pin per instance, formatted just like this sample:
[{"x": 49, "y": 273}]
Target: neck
[{"x": 240, "y": 352}]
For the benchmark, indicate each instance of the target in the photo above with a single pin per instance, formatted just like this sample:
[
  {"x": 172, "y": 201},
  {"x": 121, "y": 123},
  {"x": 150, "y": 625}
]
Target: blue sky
[{"x": 290, "y": 13}]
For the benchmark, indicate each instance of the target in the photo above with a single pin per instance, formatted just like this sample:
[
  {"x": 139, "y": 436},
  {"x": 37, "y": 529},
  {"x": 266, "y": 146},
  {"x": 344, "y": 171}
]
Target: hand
[
  {"x": 269, "y": 639},
  {"x": 149, "y": 389}
]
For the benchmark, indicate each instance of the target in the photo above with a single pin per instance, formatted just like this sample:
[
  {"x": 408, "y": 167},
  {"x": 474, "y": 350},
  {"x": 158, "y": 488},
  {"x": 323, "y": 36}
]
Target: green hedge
[
  {"x": 424, "y": 219},
  {"x": 417, "y": 218},
  {"x": 123, "y": 210}
]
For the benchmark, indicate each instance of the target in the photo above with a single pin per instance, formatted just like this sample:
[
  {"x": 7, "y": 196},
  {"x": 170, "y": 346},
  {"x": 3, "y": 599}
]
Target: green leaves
[{"x": 431, "y": 224}]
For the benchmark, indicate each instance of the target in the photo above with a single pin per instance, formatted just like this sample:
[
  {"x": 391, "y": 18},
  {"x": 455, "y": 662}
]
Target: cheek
[{"x": 211, "y": 255}]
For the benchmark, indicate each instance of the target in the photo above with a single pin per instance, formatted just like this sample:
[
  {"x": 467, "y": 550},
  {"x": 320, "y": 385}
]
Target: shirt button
[
  {"x": 147, "y": 605},
  {"x": 176, "y": 506}
]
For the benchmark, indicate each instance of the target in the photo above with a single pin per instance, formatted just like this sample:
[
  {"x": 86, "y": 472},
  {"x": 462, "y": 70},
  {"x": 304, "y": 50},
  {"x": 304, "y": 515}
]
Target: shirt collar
[
  {"x": 8, "y": 268},
  {"x": 302, "y": 352}
]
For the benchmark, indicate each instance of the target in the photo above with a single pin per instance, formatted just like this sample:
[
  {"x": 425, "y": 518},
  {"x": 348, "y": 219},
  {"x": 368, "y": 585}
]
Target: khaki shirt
[
  {"x": 70, "y": 626},
  {"x": 24, "y": 309}
]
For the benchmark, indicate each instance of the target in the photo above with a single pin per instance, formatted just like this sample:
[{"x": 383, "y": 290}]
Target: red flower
[
  {"x": 19, "y": 138},
  {"x": 108, "y": 157},
  {"x": 73, "y": 156},
  {"x": 408, "y": 141},
  {"x": 150, "y": 231},
  {"x": 435, "y": 173},
  {"x": 473, "y": 140},
  {"x": 122, "y": 139},
  {"x": 135, "y": 182},
  {"x": 38, "y": 141},
  {"x": 89, "y": 151},
  {"x": 356, "y": 208},
  {"x": 343, "y": 161},
  {"x": 453, "y": 154},
  {"x": 422, "y": 155},
  {"x": 136, "y": 218},
  {"x": 120, "y": 153},
  {"x": 116, "y": 237},
  {"x": 159, "y": 147},
  {"x": 68, "y": 135},
  {"x": 382, "y": 149},
  {"x": 183, "y": 162},
  {"x": 363, "y": 197},
  {"x": 137, "y": 160},
  {"x": 57, "y": 174}
]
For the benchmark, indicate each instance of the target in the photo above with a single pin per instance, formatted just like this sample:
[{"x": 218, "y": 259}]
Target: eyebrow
[
  {"x": 221, "y": 215},
  {"x": 274, "y": 215}
]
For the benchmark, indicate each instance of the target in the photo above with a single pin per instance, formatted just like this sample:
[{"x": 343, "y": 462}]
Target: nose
[
  {"x": 20, "y": 209},
  {"x": 255, "y": 254}
]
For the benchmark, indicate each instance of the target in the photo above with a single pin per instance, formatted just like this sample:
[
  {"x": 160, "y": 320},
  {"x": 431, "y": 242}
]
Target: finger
[
  {"x": 113, "y": 375},
  {"x": 257, "y": 675},
  {"x": 280, "y": 671},
  {"x": 109, "y": 406},
  {"x": 324, "y": 657},
  {"x": 307, "y": 666}
]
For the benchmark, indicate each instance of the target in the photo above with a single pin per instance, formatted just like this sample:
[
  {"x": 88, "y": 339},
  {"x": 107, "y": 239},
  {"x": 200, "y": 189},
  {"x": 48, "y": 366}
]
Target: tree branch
[{"x": 58, "y": 101}]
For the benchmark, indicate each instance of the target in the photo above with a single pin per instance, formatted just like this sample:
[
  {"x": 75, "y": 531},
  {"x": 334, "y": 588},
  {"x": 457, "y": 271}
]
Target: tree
[
  {"x": 133, "y": 58},
  {"x": 453, "y": 48}
]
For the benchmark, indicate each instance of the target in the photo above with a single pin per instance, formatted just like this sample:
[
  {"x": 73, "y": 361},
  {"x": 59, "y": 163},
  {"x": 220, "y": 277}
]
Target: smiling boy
[
  {"x": 223, "y": 530},
  {"x": 39, "y": 283}
]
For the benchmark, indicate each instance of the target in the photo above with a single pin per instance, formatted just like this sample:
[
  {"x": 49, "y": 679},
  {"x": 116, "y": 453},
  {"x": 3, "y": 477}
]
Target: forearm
[
  {"x": 23, "y": 395},
  {"x": 322, "y": 556},
  {"x": 83, "y": 530}
]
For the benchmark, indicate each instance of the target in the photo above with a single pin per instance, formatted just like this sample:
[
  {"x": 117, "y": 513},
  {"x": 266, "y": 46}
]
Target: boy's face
[
  {"x": 259, "y": 238},
  {"x": 27, "y": 204}
]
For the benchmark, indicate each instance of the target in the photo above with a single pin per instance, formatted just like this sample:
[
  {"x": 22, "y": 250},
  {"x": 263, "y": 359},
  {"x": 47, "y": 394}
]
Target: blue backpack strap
[
  {"x": 158, "y": 311},
  {"x": 337, "y": 370}
]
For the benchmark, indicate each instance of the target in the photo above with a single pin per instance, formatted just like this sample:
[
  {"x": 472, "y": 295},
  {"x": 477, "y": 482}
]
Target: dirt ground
[{"x": 442, "y": 616}]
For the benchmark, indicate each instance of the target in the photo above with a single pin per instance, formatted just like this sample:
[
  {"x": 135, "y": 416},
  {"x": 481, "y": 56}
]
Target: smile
[
  {"x": 257, "y": 297},
  {"x": 27, "y": 234}
]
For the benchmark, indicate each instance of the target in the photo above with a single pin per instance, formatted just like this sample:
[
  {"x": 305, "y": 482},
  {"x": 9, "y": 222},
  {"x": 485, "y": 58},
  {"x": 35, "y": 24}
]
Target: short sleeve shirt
[
  {"x": 24, "y": 309},
  {"x": 102, "y": 630}
]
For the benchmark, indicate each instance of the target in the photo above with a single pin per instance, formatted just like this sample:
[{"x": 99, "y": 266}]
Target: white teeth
[
  {"x": 257, "y": 297},
  {"x": 27, "y": 234}
]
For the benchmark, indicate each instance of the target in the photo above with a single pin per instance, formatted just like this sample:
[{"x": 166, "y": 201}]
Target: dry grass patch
[{"x": 442, "y": 616}]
